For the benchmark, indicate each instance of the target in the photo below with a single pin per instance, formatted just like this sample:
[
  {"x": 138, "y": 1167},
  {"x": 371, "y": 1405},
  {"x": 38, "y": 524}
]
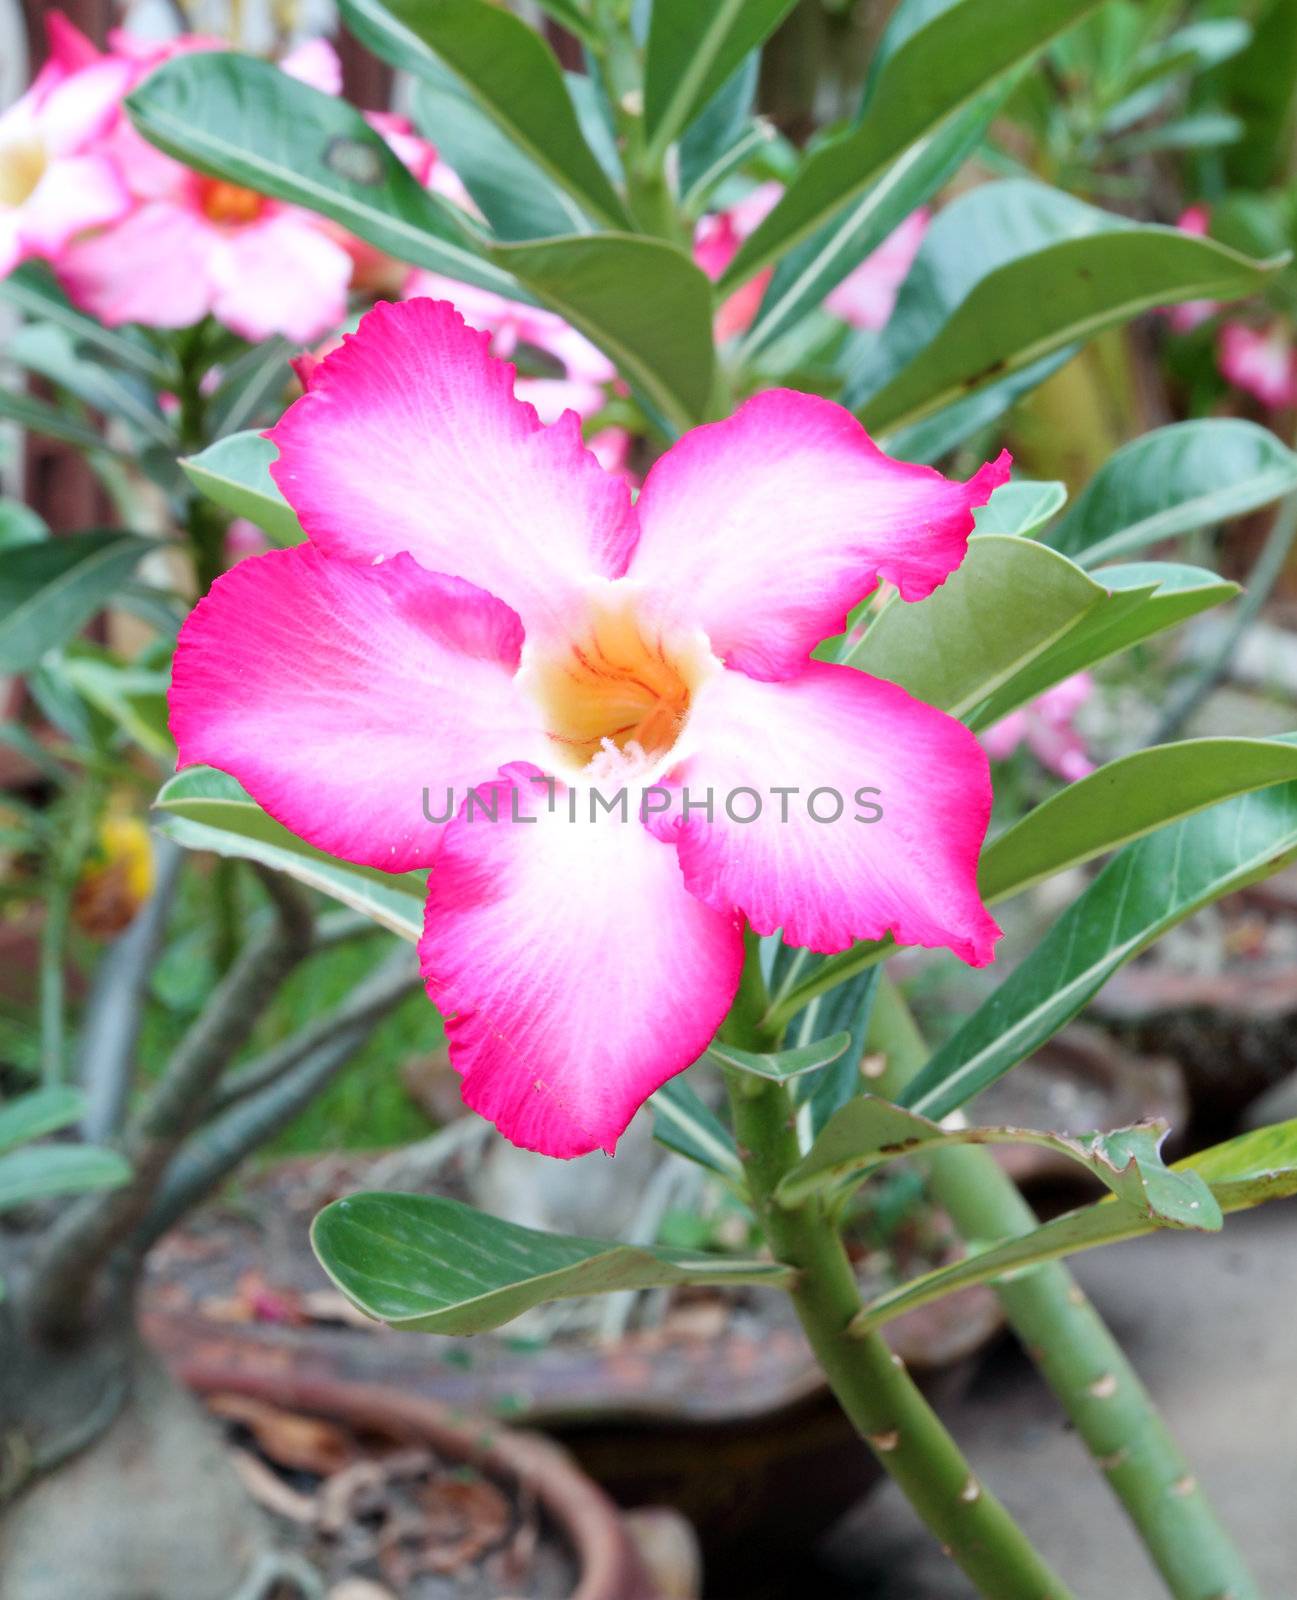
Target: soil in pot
[{"x": 390, "y": 1519}]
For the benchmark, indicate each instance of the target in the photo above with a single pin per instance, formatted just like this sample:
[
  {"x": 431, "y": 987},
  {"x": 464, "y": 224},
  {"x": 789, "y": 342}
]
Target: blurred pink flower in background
[
  {"x": 1192, "y": 314},
  {"x": 54, "y": 181},
  {"x": 864, "y": 298},
  {"x": 1046, "y": 727},
  {"x": 1260, "y": 361}
]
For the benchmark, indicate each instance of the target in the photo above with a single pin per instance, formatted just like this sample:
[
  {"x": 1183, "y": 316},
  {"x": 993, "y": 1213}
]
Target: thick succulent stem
[
  {"x": 870, "y": 1383},
  {"x": 1078, "y": 1357}
]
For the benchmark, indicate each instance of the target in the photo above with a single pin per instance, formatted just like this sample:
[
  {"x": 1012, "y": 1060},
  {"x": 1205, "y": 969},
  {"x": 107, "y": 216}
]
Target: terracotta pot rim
[{"x": 609, "y": 1568}]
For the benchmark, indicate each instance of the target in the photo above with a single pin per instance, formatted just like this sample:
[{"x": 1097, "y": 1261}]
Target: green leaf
[
  {"x": 50, "y": 589},
  {"x": 1013, "y": 272},
  {"x": 238, "y": 118},
  {"x": 684, "y": 1124},
  {"x": 1124, "y": 800},
  {"x": 1185, "y": 476},
  {"x": 642, "y": 301},
  {"x": 1205, "y": 130},
  {"x": 782, "y": 1066},
  {"x": 724, "y": 125},
  {"x": 1020, "y": 507},
  {"x": 1240, "y": 1174},
  {"x": 869, "y": 1131},
  {"x": 693, "y": 47},
  {"x": 1008, "y": 602},
  {"x": 1144, "y": 598},
  {"x": 928, "y": 79},
  {"x": 510, "y": 73},
  {"x": 252, "y": 387},
  {"x": 1258, "y": 86},
  {"x": 235, "y": 473},
  {"x": 1147, "y": 888},
  {"x": 132, "y": 696},
  {"x": 32, "y": 290},
  {"x": 50, "y": 350},
  {"x": 806, "y": 274},
  {"x": 512, "y": 193},
  {"x": 19, "y": 524},
  {"x": 41, "y": 1171},
  {"x": 42, "y": 1111},
  {"x": 202, "y": 809},
  {"x": 432, "y": 1264}
]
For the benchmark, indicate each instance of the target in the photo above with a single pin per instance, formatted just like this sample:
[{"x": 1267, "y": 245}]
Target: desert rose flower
[
  {"x": 1048, "y": 729},
  {"x": 54, "y": 180},
  {"x": 480, "y": 608},
  {"x": 1261, "y": 362}
]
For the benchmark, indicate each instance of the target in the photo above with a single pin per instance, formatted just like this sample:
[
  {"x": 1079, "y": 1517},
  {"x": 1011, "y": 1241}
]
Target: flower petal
[
  {"x": 74, "y": 193},
  {"x": 281, "y": 275},
  {"x": 153, "y": 267},
  {"x": 831, "y": 881},
  {"x": 337, "y": 693},
  {"x": 777, "y": 521},
  {"x": 411, "y": 439},
  {"x": 580, "y": 972}
]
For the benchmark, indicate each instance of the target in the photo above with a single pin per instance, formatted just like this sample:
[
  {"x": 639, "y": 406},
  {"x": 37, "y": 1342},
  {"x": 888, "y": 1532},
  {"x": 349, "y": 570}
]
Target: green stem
[
  {"x": 1076, "y": 1354},
  {"x": 870, "y": 1383}
]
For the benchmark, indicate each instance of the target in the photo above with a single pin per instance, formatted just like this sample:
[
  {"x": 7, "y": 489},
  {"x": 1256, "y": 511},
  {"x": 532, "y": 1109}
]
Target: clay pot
[{"x": 609, "y": 1566}]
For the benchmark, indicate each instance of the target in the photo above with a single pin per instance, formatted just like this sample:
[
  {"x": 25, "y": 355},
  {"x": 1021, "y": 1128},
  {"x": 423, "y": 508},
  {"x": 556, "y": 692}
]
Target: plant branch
[
  {"x": 871, "y": 1384},
  {"x": 82, "y": 1242},
  {"x": 1076, "y": 1354},
  {"x": 246, "y": 1123}
]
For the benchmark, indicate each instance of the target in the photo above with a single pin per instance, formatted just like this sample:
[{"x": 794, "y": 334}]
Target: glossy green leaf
[
  {"x": 1013, "y": 272},
  {"x": 1021, "y": 507},
  {"x": 806, "y": 274},
  {"x": 235, "y": 473},
  {"x": 939, "y": 68},
  {"x": 508, "y": 70},
  {"x": 1125, "y": 800},
  {"x": 31, "y": 289},
  {"x": 1008, "y": 602},
  {"x": 782, "y": 1066},
  {"x": 1144, "y": 598},
  {"x": 51, "y": 588},
  {"x": 132, "y": 696},
  {"x": 642, "y": 301},
  {"x": 253, "y": 387},
  {"x": 722, "y": 126},
  {"x": 1240, "y": 1174},
  {"x": 41, "y": 1111},
  {"x": 1147, "y": 888},
  {"x": 1185, "y": 476},
  {"x": 693, "y": 47},
  {"x": 235, "y": 117},
  {"x": 511, "y": 191},
  {"x": 683, "y": 1123},
  {"x": 38, "y": 1172},
  {"x": 202, "y": 809},
  {"x": 424, "y": 1262},
  {"x": 869, "y": 1131}
]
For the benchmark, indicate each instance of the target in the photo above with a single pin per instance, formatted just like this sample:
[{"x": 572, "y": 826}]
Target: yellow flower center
[
  {"x": 22, "y": 166},
  {"x": 229, "y": 202},
  {"x": 616, "y": 693}
]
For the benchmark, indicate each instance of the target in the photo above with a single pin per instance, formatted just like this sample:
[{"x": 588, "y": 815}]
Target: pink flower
[
  {"x": 479, "y": 604},
  {"x": 864, "y": 298},
  {"x": 1261, "y": 362},
  {"x": 54, "y": 182},
  {"x": 1046, "y": 727},
  {"x": 1191, "y": 314},
  {"x": 194, "y": 246}
]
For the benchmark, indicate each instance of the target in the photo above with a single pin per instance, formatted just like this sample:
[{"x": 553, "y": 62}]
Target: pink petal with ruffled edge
[
  {"x": 772, "y": 525},
  {"x": 825, "y": 882},
  {"x": 576, "y": 972},
  {"x": 281, "y": 274},
  {"x": 410, "y": 438},
  {"x": 337, "y": 693},
  {"x": 153, "y": 267}
]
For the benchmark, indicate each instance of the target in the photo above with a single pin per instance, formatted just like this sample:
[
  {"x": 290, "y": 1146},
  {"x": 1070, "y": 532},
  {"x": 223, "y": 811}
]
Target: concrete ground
[{"x": 1211, "y": 1325}]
